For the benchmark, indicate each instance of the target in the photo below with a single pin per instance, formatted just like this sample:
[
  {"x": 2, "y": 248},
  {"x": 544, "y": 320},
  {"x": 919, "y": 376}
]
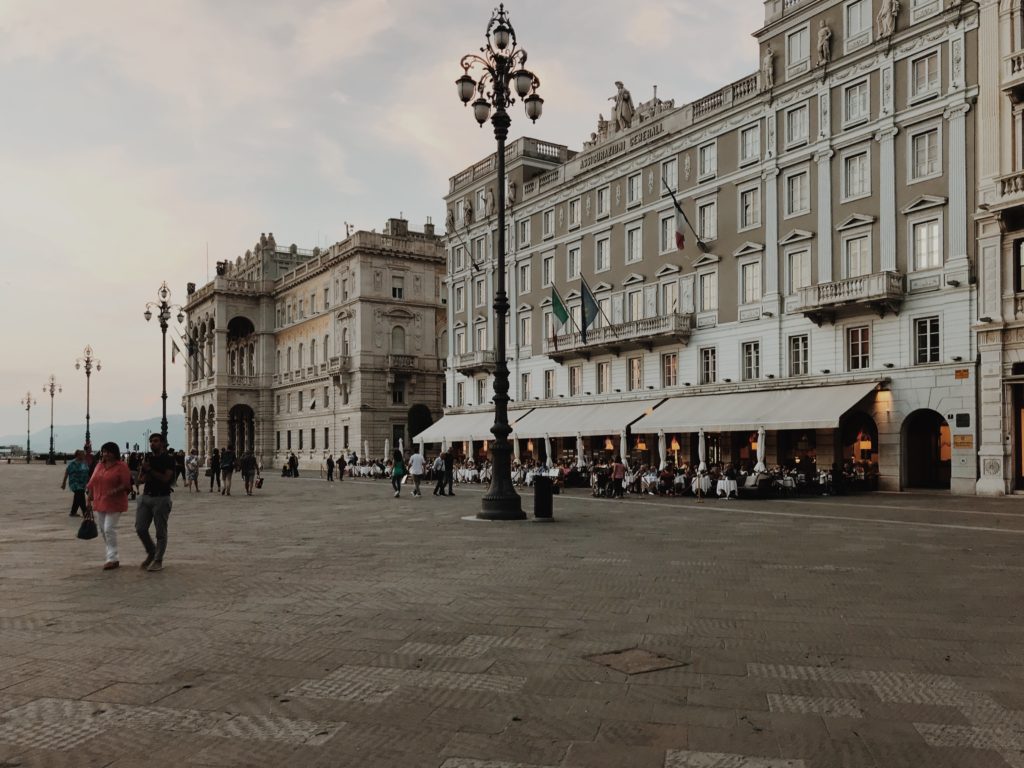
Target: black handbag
[{"x": 87, "y": 530}]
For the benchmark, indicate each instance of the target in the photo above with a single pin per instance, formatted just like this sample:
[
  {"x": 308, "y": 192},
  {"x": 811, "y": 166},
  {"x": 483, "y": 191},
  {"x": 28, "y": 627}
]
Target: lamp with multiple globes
[
  {"x": 87, "y": 361},
  {"x": 164, "y": 308},
  {"x": 53, "y": 388},
  {"x": 28, "y": 402}
]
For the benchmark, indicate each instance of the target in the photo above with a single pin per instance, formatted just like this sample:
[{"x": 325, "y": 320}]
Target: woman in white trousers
[{"x": 107, "y": 497}]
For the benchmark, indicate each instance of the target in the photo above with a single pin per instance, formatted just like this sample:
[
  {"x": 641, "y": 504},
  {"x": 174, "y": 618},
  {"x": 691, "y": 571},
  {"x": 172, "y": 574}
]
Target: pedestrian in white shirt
[{"x": 416, "y": 465}]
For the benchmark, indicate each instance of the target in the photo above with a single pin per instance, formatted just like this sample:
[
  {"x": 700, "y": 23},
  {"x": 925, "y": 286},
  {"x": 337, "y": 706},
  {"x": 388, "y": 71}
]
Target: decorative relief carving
[{"x": 993, "y": 467}]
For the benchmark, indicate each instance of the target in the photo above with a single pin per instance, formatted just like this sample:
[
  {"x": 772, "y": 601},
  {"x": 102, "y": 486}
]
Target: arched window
[
  {"x": 279, "y": 361},
  {"x": 312, "y": 352},
  {"x": 231, "y": 362},
  {"x": 252, "y": 359},
  {"x": 288, "y": 358},
  {"x": 327, "y": 348},
  {"x": 398, "y": 340},
  {"x": 344, "y": 342},
  {"x": 301, "y": 355}
]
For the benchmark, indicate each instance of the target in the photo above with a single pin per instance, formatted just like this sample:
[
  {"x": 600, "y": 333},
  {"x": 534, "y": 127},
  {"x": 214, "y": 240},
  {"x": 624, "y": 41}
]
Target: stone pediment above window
[
  {"x": 460, "y": 324},
  {"x": 748, "y": 249},
  {"x": 345, "y": 314},
  {"x": 480, "y": 319},
  {"x": 923, "y": 203},
  {"x": 706, "y": 260},
  {"x": 400, "y": 314},
  {"x": 573, "y": 294},
  {"x": 602, "y": 287},
  {"x": 524, "y": 308},
  {"x": 668, "y": 269},
  {"x": 854, "y": 221},
  {"x": 633, "y": 278},
  {"x": 796, "y": 236},
  {"x": 545, "y": 302}
]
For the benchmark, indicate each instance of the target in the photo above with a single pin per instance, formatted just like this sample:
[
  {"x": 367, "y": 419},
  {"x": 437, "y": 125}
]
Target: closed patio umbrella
[
  {"x": 760, "y": 467},
  {"x": 579, "y": 450},
  {"x": 515, "y": 446},
  {"x": 623, "y": 448},
  {"x": 547, "y": 450},
  {"x": 422, "y": 451},
  {"x": 444, "y": 443},
  {"x": 366, "y": 450},
  {"x": 662, "y": 450},
  {"x": 702, "y": 450},
  {"x": 387, "y": 449},
  {"x": 401, "y": 445}
]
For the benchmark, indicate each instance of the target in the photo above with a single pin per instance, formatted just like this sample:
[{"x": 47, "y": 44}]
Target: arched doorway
[
  {"x": 242, "y": 428},
  {"x": 858, "y": 444},
  {"x": 419, "y": 419},
  {"x": 927, "y": 450}
]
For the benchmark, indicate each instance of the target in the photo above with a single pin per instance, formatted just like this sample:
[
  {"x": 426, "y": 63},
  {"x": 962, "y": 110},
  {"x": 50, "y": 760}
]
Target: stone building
[
  {"x": 829, "y": 298},
  {"x": 318, "y": 352}
]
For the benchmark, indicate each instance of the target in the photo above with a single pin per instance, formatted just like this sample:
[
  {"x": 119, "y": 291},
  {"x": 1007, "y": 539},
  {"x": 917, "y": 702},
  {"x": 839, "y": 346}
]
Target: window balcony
[
  {"x": 635, "y": 334},
  {"x": 880, "y": 292},
  {"x": 1009, "y": 192},
  {"x": 402, "y": 362},
  {"x": 1013, "y": 73},
  {"x": 471, "y": 363},
  {"x": 243, "y": 382},
  {"x": 338, "y": 364}
]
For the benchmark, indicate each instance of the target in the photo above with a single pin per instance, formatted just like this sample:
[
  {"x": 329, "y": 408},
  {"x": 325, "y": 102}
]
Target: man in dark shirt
[
  {"x": 248, "y": 467},
  {"x": 154, "y": 505},
  {"x": 449, "y": 471},
  {"x": 330, "y": 468},
  {"x": 227, "y": 469}
]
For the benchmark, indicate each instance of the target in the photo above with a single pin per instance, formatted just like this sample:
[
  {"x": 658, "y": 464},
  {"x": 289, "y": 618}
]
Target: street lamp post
[
  {"x": 87, "y": 360},
  {"x": 52, "y": 387},
  {"x": 501, "y": 65},
  {"x": 163, "y": 308},
  {"x": 28, "y": 402}
]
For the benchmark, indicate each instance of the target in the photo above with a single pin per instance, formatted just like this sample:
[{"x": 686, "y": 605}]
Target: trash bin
[{"x": 542, "y": 497}]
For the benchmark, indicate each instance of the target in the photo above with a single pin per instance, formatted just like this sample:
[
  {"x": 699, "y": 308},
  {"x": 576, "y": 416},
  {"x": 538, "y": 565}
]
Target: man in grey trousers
[{"x": 154, "y": 505}]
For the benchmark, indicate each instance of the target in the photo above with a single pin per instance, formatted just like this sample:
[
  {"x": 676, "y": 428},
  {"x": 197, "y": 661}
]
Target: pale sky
[{"x": 134, "y": 135}]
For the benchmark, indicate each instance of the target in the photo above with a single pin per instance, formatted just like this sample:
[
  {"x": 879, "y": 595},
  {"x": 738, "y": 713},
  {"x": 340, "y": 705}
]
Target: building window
[
  {"x": 574, "y": 212},
  {"x": 858, "y": 24},
  {"x": 750, "y": 144},
  {"x": 479, "y": 297},
  {"x": 302, "y": 308},
  {"x": 460, "y": 393},
  {"x": 707, "y": 220},
  {"x": 634, "y": 244},
  {"x": 798, "y": 51},
  {"x": 344, "y": 437},
  {"x": 708, "y": 292},
  {"x": 750, "y": 208},
  {"x": 327, "y": 438},
  {"x": 300, "y": 396},
  {"x": 635, "y": 305},
  {"x": 312, "y": 352},
  {"x": 604, "y": 378},
  {"x": 524, "y": 278},
  {"x": 602, "y": 255},
  {"x": 398, "y": 393},
  {"x": 857, "y": 255},
  {"x": 669, "y": 175},
  {"x": 460, "y": 298},
  {"x": 460, "y": 341},
  {"x": 922, "y": 9},
  {"x": 524, "y": 233},
  {"x": 636, "y": 373},
  {"x": 604, "y": 201},
  {"x": 634, "y": 189},
  {"x": 301, "y": 431},
  {"x": 751, "y": 360},
  {"x": 327, "y": 298},
  {"x": 525, "y": 331},
  {"x": 856, "y": 106},
  {"x": 278, "y": 404},
  {"x": 277, "y": 440},
  {"x": 666, "y": 234},
  {"x": 798, "y": 355},
  {"x": 525, "y": 386},
  {"x": 750, "y": 276},
  {"x": 575, "y": 380},
  {"x": 924, "y": 76},
  {"x": 799, "y": 270},
  {"x": 480, "y": 337},
  {"x": 926, "y": 340},
  {"x": 548, "y": 222},
  {"x": 858, "y": 346},
  {"x": 573, "y": 262},
  {"x": 707, "y": 161},
  {"x": 288, "y": 436},
  {"x": 927, "y": 244},
  {"x": 460, "y": 258},
  {"x": 798, "y": 193},
  {"x": 796, "y": 126},
  {"x": 547, "y": 269},
  {"x": 481, "y": 391},
  {"x": 670, "y": 298},
  {"x": 856, "y": 176},
  {"x": 669, "y": 369},
  {"x": 924, "y": 155},
  {"x": 327, "y": 397},
  {"x": 604, "y": 311},
  {"x": 549, "y": 384},
  {"x": 312, "y": 439},
  {"x": 708, "y": 365}
]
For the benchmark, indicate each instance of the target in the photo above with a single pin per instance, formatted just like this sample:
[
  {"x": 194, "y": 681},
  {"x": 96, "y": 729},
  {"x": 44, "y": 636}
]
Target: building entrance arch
[
  {"x": 927, "y": 450},
  {"x": 242, "y": 428}
]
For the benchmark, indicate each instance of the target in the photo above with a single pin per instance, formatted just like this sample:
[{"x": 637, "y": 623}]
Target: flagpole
[
  {"x": 590, "y": 290},
  {"x": 678, "y": 207}
]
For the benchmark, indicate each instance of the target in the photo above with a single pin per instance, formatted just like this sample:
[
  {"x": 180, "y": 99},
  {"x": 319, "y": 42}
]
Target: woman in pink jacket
[{"x": 107, "y": 494}]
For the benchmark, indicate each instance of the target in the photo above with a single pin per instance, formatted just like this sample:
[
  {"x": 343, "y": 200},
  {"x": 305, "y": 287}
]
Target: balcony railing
[
  {"x": 338, "y": 364},
  {"x": 1010, "y": 189},
  {"x": 633, "y": 334},
  {"x": 882, "y": 291},
  {"x": 1013, "y": 71},
  {"x": 470, "y": 363},
  {"x": 402, "y": 362},
  {"x": 247, "y": 382}
]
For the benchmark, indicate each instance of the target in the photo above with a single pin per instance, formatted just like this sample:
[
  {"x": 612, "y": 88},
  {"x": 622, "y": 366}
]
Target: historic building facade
[
  {"x": 318, "y": 352},
  {"x": 830, "y": 296}
]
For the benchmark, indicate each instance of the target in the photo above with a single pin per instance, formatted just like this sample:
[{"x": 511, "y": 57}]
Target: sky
[{"x": 138, "y": 137}]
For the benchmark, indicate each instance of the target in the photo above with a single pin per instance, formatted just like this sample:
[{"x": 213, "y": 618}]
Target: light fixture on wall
[
  {"x": 985, "y": 319},
  {"x": 826, "y": 371},
  {"x": 889, "y": 365},
  {"x": 727, "y": 381},
  {"x": 953, "y": 283},
  {"x": 766, "y": 313},
  {"x": 686, "y": 383},
  {"x": 650, "y": 386},
  {"x": 617, "y": 389},
  {"x": 957, "y": 358},
  {"x": 771, "y": 375}
]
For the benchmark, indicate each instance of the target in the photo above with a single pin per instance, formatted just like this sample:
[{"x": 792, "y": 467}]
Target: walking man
[
  {"x": 416, "y": 466},
  {"x": 249, "y": 471},
  {"x": 449, "y": 471},
  {"x": 330, "y": 468},
  {"x": 77, "y": 471},
  {"x": 438, "y": 469},
  {"x": 227, "y": 469},
  {"x": 154, "y": 505}
]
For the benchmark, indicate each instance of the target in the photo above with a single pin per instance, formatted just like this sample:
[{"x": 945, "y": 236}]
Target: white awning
[
  {"x": 809, "y": 408},
  {"x": 589, "y": 420},
  {"x": 465, "y": 426}
]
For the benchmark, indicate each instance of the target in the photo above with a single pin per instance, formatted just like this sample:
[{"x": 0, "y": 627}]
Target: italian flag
[{"x": 680, "y": 229}]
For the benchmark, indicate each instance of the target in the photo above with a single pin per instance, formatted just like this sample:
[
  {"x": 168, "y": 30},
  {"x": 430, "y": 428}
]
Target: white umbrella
[
  {"x": 547, "y": 450},
  {"x": 515, "y": 446},
  {"x": 662, "y": 450},
  {"x": 401, "y": 445},
  {"x": 579, "y": 450},
  {"x": 366, "y": 450},
  {"x": 760, "y": 467},
  {"x": 623, "y": 448},
  {"x": 444, "y": 443},
  {"x": 702, "y": 449},
  {"x": 422, "y": 452},
  {"x": 387, "y": 449}
]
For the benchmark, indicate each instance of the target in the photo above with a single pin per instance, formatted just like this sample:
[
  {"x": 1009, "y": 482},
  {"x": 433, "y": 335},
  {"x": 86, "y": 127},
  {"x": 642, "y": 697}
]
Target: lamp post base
[{"x": 501, "y": 507}]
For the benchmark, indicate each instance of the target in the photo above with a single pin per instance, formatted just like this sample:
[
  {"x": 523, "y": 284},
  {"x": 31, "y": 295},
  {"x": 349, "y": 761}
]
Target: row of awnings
[{"x": 775, "y": 409}]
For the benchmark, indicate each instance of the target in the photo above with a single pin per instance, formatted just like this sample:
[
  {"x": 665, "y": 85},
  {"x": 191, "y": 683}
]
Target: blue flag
[{"x": 590, "y": 308}]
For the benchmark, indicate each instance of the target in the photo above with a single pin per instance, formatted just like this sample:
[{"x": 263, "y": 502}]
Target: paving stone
[{"x": 688, "y": 759}]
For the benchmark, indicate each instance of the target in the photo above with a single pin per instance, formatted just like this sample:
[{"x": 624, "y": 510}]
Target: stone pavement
[{"x": 333, "y": 625}]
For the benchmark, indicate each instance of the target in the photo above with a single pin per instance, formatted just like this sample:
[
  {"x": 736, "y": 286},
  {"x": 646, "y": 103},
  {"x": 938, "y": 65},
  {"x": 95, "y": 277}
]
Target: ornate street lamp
[
  {"x": 87, "y": 361},
  {"x": 28, "y": 402},
  {"x": 51, "y": 387},
  {"x": 501, "y": 67},
  {"x": 163, "y": 308}
]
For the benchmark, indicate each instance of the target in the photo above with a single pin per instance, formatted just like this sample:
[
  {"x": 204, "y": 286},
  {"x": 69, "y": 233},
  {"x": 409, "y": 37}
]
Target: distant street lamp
[
  {"x": 28, "y": 402},
  {"x": 51, "y": 387},
  {"x": 87, "y": 361},
  {"x": 163, "y": 308},
  {"x": 502, "y": 65}
]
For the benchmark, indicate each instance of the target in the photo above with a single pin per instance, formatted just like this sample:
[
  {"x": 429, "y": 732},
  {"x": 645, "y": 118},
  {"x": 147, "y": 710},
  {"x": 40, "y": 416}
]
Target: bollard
[{"x": 543, "y": 501}]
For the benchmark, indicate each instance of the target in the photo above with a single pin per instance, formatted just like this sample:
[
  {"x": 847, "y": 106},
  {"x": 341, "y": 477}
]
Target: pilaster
[
  {"x": 824, "y": 206},
  {"x": 887, "y": 197}
]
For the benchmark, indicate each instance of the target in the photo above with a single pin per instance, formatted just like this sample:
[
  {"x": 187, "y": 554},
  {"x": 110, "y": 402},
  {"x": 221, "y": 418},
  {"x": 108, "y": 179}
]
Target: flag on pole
[
  {"x": 174, "y": 351},
  {"x": 682, "y": 224},
  {"x": 680, "y": 231},
  {"x": 559, "y": 316},
  {"x": 591, "y": 310}
]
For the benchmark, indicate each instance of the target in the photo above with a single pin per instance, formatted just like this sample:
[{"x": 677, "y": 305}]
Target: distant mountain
[{"x": 70, "y": 437}]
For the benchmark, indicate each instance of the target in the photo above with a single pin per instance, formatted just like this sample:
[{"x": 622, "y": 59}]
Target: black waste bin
[{"x": 542, "y": 497}]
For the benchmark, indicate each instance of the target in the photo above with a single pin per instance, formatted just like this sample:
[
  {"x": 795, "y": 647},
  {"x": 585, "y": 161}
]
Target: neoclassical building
[
  {"x": 829, "y": 297},
  {"x": 318, "y": 351}
]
